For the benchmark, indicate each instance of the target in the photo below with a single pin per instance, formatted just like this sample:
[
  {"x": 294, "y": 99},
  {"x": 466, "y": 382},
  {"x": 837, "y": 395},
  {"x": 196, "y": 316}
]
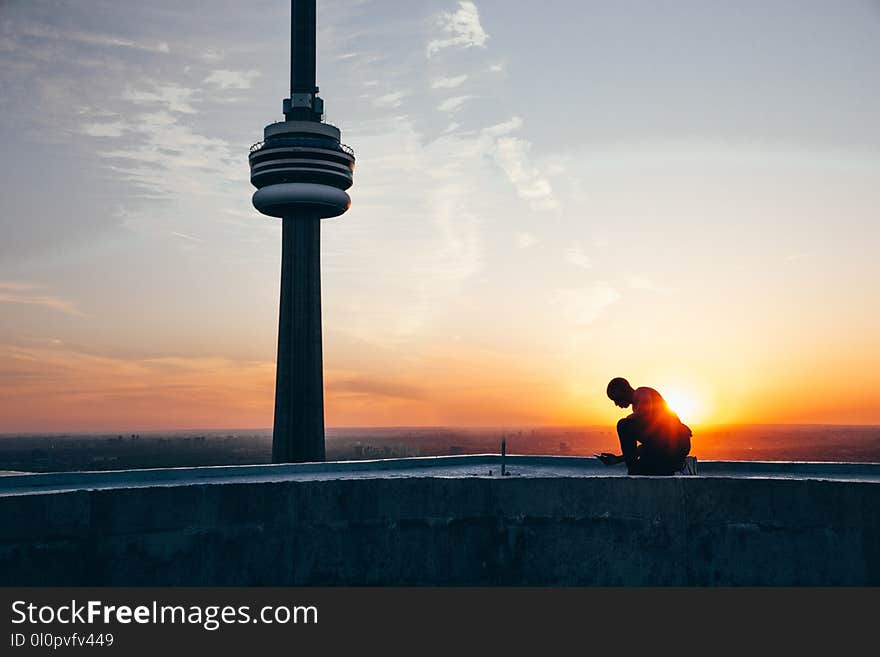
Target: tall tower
[{"x": 301, "y": 172}]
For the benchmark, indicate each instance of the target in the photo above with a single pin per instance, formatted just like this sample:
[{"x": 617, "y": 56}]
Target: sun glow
[{"x": 689, "y": 406}]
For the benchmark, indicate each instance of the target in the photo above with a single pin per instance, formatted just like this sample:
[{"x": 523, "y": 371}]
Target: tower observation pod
[{"x": 301, "y": 171}]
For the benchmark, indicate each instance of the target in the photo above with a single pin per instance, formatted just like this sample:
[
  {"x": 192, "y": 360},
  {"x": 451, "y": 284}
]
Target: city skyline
[{"x": 547, "y": 197}]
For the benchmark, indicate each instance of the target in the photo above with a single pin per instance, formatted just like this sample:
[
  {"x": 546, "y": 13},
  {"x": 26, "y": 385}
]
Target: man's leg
[
  {"x": 628, "y": 432},
  {"x": 658, "y": 460}
]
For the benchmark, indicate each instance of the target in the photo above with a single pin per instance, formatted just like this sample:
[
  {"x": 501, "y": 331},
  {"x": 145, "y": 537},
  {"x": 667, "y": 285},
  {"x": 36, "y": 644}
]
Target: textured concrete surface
[{"x": 443, "y": 521}]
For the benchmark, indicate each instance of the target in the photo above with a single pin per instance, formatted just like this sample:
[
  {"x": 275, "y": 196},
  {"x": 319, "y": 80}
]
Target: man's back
[
  {"x": 648, "y": 403},
  {"x": 660, "y": 426}
]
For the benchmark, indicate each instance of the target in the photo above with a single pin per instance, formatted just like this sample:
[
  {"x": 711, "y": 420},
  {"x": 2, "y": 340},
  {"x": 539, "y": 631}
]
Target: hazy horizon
[
  {"x": 486, "y": 427},
  {"x": 190, "y": 448}
]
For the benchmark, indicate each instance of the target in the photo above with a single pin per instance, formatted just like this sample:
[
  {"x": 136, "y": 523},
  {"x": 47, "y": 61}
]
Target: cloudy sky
[{"x": 547, "y": 195}]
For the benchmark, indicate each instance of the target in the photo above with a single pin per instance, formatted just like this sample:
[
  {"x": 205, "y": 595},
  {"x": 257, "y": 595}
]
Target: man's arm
[{"x": 609, "y": 459}]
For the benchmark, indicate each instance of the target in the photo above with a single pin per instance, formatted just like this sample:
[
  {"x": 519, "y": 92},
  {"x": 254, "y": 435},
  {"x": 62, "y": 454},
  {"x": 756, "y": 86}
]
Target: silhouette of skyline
[{"x": 62, "y": 452}]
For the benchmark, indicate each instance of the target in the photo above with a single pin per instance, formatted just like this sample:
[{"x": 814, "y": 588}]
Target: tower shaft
[{"x": 298, "y": 434}]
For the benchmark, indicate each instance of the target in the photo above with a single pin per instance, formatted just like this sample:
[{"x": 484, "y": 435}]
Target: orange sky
[
  {"x": 709, "y": 228},
  {"x": 56, "y": 388}
]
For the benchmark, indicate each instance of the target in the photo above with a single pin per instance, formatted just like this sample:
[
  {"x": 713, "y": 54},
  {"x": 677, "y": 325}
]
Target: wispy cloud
[
  {"x": 459, "y": 229},
  {"x": 437, "y": 180},
  {"x": 461, "y": 29},
  {"x": 794, "y": 257},
  {"x": 504, "y": 128},
  {"x": 225, "y": 79},
  {"x": 449, "y": 83},
  {"x": 113, "y": 129},
  {"x": 15, "y": 286},
  {"x": 39, "y": 31},
  {"x": 512, "y": 155},
  {"x": 172, "y": 97},
  {"x": 647, "y": 284},
  {"x": 168, "y": 161},
  {"x": 372, "y": 387},
  {"x": 187, "y": 237},
  {"x": 31, "y": 294},
  {"x": 168, "y": 158},
  {"x": 453, "y": 104},
  {"x": 525, "y": 240},
  {"x": 577, "y": 257},
  {"x": 393, "y": 99},
  {"x": 61, "y": 386},
  {"x": 584, "y": 305},
  {"x": 211, "y": 55}
]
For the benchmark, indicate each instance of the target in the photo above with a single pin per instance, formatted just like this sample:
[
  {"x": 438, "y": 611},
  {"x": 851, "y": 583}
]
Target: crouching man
[{"x": 652, "y": 438}]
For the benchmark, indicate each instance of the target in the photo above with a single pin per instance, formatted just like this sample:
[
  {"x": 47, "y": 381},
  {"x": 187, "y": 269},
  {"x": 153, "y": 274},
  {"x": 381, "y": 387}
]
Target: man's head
[{"x": 620, "y": 392}]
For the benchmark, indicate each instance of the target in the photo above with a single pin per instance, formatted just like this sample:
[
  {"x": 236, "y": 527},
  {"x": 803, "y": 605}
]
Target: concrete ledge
[
  {"x": 432, "y": 466},
  {"x": 441, "y": 522}
]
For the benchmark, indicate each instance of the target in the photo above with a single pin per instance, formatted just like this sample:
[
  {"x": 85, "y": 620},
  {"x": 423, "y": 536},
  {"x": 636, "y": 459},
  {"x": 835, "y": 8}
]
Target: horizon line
[{"x": 487, "y": 427}]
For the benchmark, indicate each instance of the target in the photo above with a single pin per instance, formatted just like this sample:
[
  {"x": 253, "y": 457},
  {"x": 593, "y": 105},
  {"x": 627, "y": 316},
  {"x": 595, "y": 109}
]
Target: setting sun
[{"x": 689, "y": 406}]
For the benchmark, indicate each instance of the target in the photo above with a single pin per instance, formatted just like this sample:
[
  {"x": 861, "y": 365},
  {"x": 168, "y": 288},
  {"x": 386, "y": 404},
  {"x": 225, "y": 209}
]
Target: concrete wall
[{"x": 466, "y": 531}]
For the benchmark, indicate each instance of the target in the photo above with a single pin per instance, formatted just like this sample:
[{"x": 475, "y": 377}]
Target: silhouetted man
[{"x": 665, "y": 440}]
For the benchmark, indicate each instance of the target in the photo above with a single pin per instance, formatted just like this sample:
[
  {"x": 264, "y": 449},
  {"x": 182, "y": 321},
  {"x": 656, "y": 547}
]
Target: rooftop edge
[{"x": 479, "y": 465}]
